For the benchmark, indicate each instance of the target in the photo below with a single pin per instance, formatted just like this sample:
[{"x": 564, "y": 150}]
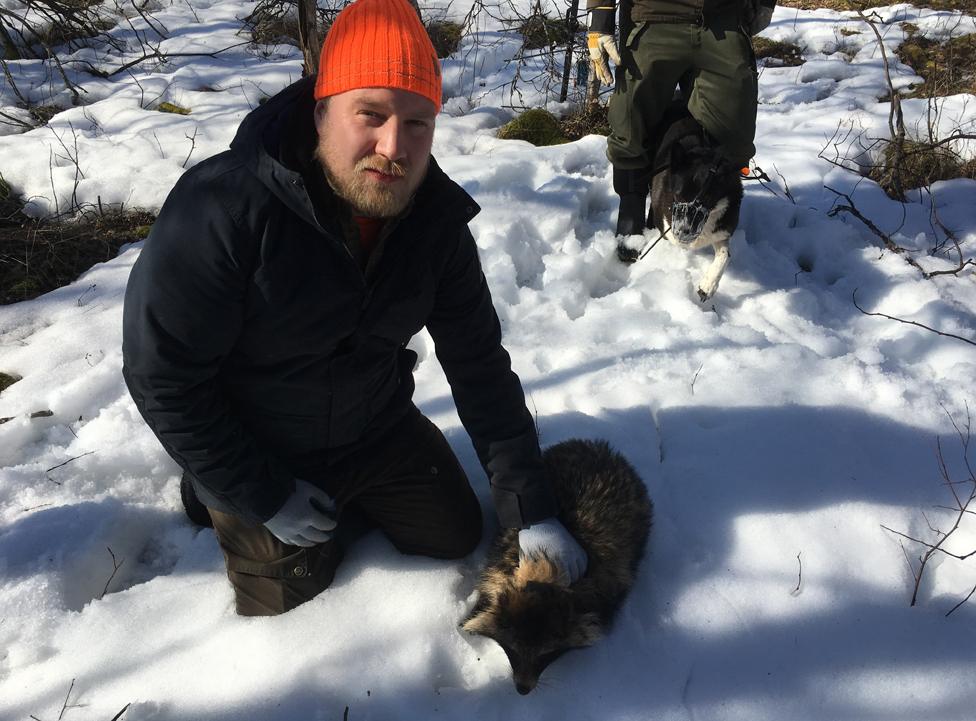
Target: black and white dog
[{"x": 696, "y": 193}]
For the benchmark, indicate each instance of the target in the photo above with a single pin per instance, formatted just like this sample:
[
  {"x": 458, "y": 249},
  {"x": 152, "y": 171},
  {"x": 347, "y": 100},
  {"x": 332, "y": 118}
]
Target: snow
[{"x": 777, "y": 427}]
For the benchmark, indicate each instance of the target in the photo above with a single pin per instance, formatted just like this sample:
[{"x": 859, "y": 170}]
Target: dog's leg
[{"x": 709, "y": 281}]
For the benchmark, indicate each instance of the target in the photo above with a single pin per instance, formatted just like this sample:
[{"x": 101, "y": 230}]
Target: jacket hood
[{"x": 275, "y": 139}]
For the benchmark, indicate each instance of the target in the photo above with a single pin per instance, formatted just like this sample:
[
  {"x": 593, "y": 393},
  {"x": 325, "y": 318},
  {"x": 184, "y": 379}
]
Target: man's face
[{"x": 374, "y": 145}]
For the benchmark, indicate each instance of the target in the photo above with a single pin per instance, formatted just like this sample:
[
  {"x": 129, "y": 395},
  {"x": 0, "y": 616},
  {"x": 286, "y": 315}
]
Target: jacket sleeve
[
  {"x": 184, "y": 310},
  {"x": 601, "y": 16},
  {"x": 487, "y": 393}
]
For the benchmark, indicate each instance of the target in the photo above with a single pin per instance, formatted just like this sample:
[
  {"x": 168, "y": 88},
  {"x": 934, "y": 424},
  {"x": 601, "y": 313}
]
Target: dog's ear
[
  {"x": 679, "y": 155},
  {"x": 482, "y": 623}
]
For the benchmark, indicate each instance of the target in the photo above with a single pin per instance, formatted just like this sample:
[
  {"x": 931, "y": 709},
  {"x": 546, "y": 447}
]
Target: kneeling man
[{"x": 267, "y": 318}]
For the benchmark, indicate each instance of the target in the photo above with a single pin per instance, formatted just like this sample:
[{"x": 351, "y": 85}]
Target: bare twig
[
  {"x": 116, "y": 565},
  {"x": 695, "y": 379},
  {"x": 799, "y": 576},
  {"x": 193, "y": 144},
  {"x": 908, "y": 322},
  {"x": 67, "y": 696},
  {"x": 887, "y": 241},
  {"x": 961, "y": 510},
  {"x": 968, "y": 596},
  {"x": 69, "y": 461},
  {"x": 117, "y": 716}
]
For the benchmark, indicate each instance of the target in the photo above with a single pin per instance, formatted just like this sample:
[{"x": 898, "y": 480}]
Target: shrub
[
  {"x": 541, "y": 31},
  {"x": 921, "y": 165},
  {"x": 446, "y": 37},
  {"x": 588, "y": 120},
  {"x": 537, "y": 126}
]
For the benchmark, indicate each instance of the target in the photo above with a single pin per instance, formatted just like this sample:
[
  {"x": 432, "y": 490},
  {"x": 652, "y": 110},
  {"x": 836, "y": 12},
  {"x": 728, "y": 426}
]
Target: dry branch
[
  {"x": 908, "y": 322},
  {"x": 963, "y": 504}
]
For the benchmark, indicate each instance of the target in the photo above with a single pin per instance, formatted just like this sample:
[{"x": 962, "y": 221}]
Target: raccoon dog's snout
[{"x": 524, "y": 605}]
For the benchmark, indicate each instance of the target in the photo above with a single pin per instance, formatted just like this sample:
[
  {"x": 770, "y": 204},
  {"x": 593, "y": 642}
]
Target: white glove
[
  {"x": 602, "y": 46},
  {"x": 552, "y": 538},
  {"x": 306, "y": 519},
  {"x": 761, "y": 20}
]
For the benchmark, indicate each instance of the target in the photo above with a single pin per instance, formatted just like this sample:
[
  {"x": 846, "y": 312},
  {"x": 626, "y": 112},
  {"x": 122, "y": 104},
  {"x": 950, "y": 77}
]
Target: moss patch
[
  {"x": 172, "y": 108},
  {"x": 537, "y": 126}
]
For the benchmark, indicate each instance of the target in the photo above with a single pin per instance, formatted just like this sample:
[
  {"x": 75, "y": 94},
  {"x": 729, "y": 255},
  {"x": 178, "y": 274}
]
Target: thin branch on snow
[
  {"x": 908, "y": 322},
  {"x": 116, "y": 565},
  {"x": 961, "y": 509},
  {"x": 67, "y": 696}
]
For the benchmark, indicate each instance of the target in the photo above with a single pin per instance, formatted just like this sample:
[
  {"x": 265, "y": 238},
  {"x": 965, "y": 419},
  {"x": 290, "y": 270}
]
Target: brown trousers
[{"x": 409, "y": 485}]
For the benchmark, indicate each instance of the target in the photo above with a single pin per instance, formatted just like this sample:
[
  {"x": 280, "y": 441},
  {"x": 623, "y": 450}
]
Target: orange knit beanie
[{"x": 379, "y": 44}]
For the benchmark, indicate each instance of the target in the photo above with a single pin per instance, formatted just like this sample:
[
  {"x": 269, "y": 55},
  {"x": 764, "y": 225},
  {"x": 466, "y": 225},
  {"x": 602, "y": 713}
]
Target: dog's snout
[
  {"x": 523, "y": 688},
  {"x": 687, "y": 221}
]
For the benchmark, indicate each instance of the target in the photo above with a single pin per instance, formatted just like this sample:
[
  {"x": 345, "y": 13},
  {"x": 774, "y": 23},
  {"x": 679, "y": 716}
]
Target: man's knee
[
  {"x": 449, "y": 539},
  {"x": 268, "y": 576}
]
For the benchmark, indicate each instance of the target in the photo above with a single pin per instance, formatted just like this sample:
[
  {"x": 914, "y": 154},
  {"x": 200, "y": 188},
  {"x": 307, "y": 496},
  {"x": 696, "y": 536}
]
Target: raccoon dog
[{"x": 524, "y": 605}]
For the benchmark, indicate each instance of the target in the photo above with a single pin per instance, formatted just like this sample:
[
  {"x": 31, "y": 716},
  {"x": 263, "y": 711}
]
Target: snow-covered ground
[{"x": 777, "y": 427}]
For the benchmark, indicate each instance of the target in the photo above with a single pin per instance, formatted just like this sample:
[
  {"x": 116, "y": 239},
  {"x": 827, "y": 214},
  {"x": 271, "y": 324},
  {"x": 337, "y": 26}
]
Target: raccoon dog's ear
[
  {"x": 586, "y": 630},
  {"x": 539, "y": 568},
  {"x": 482, "y": 623}
]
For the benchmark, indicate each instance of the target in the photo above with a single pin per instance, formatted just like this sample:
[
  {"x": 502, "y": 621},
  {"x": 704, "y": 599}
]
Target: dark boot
[
  {"x": 632, "y": 185},
  {"x": 632, "y": 214}
]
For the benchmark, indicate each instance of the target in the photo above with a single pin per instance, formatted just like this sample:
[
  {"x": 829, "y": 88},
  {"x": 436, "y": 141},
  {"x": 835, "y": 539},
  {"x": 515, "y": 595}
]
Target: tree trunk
[{"x": 308, "y": 37}]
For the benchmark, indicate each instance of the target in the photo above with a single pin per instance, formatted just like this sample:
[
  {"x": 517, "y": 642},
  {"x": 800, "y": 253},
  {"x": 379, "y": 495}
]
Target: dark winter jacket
[
  {"x": 256, "y": 348},
  {"x": 697, "y": 12}
]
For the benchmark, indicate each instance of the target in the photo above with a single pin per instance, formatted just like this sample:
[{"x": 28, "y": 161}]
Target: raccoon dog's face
[
  {"x": 694, "y": 183},
  {"x": 534, "y": 623}
]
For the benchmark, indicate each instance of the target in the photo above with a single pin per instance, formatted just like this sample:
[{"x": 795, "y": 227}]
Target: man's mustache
[{"x": 382, "y": 165}]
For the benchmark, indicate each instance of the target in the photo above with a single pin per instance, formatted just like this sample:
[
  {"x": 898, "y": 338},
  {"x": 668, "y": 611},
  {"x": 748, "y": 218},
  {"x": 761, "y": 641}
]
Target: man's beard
[{"x": 368, "y": 198}]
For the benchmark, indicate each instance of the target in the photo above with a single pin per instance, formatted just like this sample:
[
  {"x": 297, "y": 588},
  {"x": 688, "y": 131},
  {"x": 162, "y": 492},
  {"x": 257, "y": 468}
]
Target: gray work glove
[
  {"x": 761, "y": 20},
  {"x": 601, "y": 47},
  {"x": 306, "y": 519},
  {"x": 550, "y": 536}
]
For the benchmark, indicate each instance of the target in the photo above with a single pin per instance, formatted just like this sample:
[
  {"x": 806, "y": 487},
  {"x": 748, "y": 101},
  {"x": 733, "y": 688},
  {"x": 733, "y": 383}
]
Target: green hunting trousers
[
  {"x": 716, "y": 69},
  {"x": 409, "y": 485}
]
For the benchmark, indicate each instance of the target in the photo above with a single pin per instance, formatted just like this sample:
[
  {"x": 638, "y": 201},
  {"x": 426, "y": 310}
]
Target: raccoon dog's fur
[
  {"x": 690, "y": 170},
  {"x": 524, "y": 605}
]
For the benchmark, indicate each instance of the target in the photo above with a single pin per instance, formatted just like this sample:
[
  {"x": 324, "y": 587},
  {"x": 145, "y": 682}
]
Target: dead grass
[
  {"x": 853, "y": 5},
  {"x": 589, "y": 120},
  {"x": 948, "y": 67},
  {"x": 39, "y": 256},
  {"x": 779, "y": 52},
  {"x": 921, "y": 165}
]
